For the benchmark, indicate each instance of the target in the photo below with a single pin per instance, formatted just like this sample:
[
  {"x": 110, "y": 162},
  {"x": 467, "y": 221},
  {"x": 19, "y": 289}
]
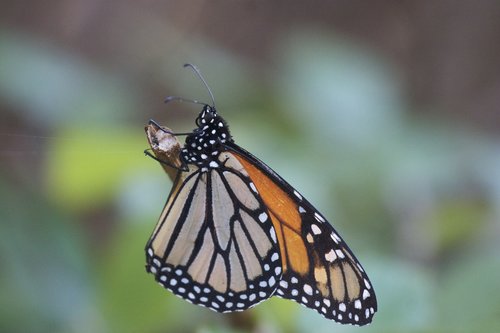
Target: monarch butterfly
[{"x": 234, "y": 233}]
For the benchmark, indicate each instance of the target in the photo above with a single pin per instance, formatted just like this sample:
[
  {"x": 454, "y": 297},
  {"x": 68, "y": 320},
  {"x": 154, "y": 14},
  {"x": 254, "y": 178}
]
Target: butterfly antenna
[{"x": 198, "y": 73}]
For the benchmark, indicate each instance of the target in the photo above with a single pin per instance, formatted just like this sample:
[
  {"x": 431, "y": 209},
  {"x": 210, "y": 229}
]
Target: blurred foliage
[{"x": 417, "y": 198}]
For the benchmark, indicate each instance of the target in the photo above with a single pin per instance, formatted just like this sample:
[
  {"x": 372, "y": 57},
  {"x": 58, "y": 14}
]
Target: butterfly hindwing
[
  {"x": 213, "y": 245},
  {"x": 320, "y": 271}
]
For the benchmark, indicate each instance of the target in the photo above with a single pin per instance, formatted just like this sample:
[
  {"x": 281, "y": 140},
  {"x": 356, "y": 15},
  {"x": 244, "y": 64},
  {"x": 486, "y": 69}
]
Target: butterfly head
[{"x": 204, "y": 145}]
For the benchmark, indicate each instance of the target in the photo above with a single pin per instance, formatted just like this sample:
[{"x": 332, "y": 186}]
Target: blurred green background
[{"x": 384, "y": 114}]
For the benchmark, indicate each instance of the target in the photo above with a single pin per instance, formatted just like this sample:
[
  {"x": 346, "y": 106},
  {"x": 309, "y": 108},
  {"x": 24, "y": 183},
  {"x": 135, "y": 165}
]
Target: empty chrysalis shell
[{"x": 165, "y": 147}]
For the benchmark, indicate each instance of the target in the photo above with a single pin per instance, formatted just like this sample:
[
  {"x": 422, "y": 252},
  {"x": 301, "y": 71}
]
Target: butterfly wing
[
  {"x": 214, "y": 244},
  {"x": 319, "y": 269}
]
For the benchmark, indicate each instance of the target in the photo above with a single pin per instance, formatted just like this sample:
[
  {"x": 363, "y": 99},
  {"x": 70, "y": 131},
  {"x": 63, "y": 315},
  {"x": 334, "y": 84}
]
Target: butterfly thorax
[{"x": 203, "y": 146}]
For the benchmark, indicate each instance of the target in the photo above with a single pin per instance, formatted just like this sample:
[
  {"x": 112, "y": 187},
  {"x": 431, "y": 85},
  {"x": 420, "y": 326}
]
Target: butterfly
[{"x": 233, "y": 232}]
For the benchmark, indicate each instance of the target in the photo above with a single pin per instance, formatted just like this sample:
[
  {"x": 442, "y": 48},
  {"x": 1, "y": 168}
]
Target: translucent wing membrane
[
  {"x": 215, "y": 244},
  {"x": 320, "y": 271}
]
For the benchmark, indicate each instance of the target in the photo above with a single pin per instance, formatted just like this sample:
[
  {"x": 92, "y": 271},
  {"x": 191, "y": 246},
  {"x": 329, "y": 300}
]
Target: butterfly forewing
[{"x": 320, "y": 271}]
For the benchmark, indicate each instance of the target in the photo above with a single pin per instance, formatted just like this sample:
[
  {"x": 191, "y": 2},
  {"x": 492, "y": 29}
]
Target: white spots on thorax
[{"x": 203, "y": 156}]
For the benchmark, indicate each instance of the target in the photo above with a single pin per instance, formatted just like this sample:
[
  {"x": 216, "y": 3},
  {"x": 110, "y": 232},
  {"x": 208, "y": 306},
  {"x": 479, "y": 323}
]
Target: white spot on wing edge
[
  {"x": 273, "y": 234},
  {"x": 263, "y": 217},
  {"x": 319, "y": 217},
  {"x": 315, "y": 229},
  {"x": 308, "y": 289},
  {"x": 330, "y": 256},
  {"x": 297, "y": 194}
]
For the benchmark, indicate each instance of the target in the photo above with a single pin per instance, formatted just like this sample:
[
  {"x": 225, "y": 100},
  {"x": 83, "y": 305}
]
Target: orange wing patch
[{"x": 285, "y": 218}]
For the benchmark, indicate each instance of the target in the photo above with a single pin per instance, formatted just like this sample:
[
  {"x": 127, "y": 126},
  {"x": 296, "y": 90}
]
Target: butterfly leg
[{"x": 182, "y": 168}]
